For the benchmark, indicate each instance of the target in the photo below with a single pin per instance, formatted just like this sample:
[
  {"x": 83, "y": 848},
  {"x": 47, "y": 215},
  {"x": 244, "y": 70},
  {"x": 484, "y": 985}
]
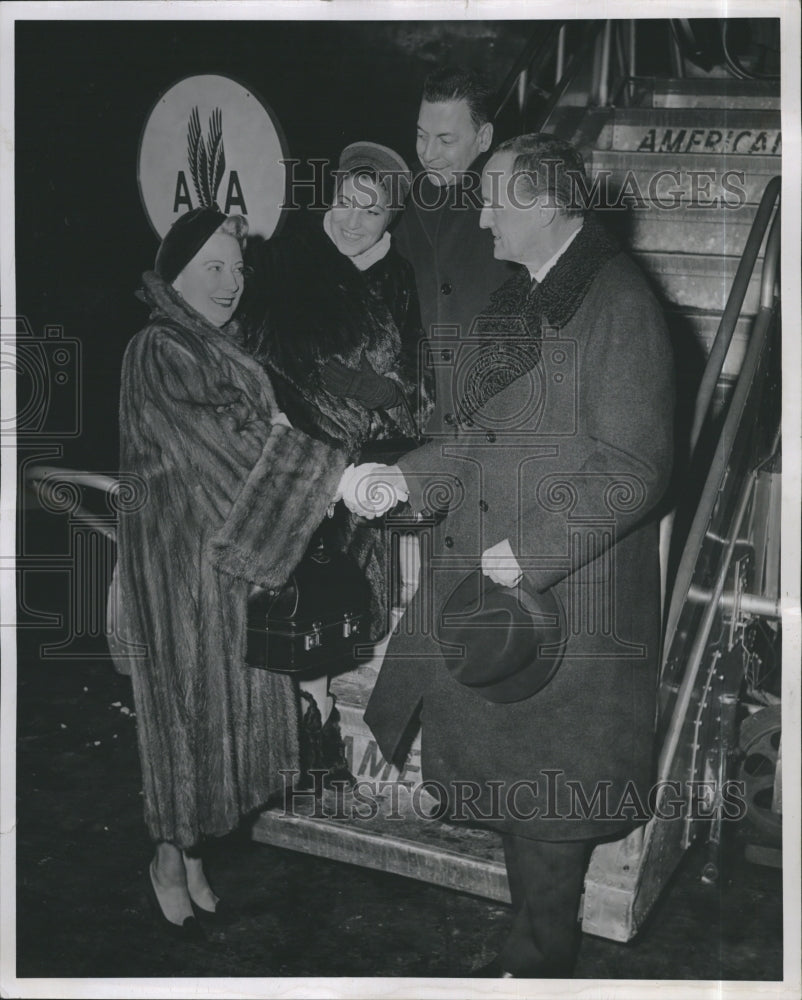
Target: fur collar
[
  {"x": 512, "y": 323},
  {"x": 166, "y": 302},
  {"x": 564, "y": 287}
]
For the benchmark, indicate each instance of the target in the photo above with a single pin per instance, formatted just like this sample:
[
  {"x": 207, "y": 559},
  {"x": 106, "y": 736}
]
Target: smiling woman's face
[
  {"x": 213, "y": 280},
  {"x": 359, "y": 215}
]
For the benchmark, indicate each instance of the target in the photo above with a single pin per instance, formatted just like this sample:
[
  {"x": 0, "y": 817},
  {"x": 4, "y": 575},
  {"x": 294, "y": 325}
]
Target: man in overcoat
[
  {"x": 557, "y": 449},
  {"x": 439, "y": 234}
]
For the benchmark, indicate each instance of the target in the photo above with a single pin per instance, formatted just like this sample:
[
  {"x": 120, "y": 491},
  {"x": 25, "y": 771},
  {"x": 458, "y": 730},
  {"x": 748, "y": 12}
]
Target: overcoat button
[
  {"x": 483, "y": 505},
  {"x": 449, "y": 418},
  {"x": 445, "y": 288},
  {"x": 491, "y": 437},
  {"x": 448, "y": 541}
]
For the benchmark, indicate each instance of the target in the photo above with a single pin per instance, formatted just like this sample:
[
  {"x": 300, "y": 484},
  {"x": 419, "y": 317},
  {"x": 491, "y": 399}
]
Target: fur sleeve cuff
[{"x": 283, "y": 501}]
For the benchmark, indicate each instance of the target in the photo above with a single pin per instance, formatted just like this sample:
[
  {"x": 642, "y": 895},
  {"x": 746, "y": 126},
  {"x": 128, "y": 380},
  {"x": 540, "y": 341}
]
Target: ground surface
[{"x": 83, "y": 854}]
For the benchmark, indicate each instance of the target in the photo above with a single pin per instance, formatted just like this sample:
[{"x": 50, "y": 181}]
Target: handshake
[{"x": 372, "y": 489}]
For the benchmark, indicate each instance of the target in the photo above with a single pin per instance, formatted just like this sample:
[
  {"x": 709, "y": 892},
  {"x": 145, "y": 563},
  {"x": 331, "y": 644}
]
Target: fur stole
[{"x": 308, "y": 303}]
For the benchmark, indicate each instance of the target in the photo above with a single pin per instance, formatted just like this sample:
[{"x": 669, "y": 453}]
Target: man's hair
[
  {"x": 549, "y": 166},
  {"x": 452, "y": 83}
]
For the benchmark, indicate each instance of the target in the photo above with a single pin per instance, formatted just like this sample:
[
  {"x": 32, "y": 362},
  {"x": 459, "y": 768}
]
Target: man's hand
[
  {"x": 500, "y": 564},
  {"x": 371, "y": 489}
]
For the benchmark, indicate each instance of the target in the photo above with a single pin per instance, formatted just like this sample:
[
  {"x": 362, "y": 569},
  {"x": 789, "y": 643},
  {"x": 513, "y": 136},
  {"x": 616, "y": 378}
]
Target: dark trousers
[{"x": 546, "y": 879}]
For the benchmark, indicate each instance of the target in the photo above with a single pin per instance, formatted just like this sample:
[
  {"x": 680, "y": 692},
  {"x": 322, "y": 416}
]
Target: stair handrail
[
  {"x": 569, "y": 74},
  {"x": 535, "y": 55},
  {"x": 732, "y": 311},
  {"x": 684, "y": 574},
  {"x": 49, "y": 477},
  {"x": 536, "y": 49}
]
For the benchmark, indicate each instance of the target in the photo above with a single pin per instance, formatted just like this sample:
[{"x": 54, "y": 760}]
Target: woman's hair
[
  {"x": 236, "y": 226},
  {"x": 371, "y": 173},
  {"x": 382, "y": 165}
]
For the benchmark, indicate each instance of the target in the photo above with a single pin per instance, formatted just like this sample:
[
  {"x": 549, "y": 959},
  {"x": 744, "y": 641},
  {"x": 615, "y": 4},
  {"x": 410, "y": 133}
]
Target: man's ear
[
  {"x": 485, "y": 135},
  {"x": 548, "y": 213}
]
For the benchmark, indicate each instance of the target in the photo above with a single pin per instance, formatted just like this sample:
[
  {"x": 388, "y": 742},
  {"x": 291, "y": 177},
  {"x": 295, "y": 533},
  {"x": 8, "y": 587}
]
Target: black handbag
[{"x": 312, "y": 624}]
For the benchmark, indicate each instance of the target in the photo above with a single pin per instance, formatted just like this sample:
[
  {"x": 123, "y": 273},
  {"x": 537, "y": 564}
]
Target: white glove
[
  {"x": 280, "y": 418},
  {"x": 500, "y": 564},
  {"x": 371, "y": 489}
]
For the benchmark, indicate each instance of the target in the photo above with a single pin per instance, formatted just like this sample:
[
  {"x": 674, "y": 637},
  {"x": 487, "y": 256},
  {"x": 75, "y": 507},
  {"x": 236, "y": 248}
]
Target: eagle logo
[{"x": 207, "y": 159}]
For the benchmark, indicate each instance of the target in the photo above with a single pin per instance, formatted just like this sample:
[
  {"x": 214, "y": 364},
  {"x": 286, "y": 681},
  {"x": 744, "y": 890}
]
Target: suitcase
[{"x": 311, "y": 626}]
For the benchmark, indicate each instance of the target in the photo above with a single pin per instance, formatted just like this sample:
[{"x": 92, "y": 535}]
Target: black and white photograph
[{"x": 400, "y": 535}]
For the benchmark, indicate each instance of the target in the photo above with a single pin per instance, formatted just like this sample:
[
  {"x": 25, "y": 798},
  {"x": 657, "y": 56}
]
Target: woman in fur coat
[
  {"x": 335, "y": 320},
  {"x": 232, "y": 497}
]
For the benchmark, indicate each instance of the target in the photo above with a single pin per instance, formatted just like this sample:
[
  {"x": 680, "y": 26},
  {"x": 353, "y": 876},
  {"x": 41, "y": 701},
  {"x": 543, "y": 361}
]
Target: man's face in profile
[
  {"x": 448, "y": 140},
  {"x": 510, "y": 211}
]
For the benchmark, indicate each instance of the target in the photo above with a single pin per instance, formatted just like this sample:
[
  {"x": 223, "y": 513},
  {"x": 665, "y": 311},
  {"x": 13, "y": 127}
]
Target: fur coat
[
  {"x": 230, "y": 501},
  {"x": 308, "y": 303}
]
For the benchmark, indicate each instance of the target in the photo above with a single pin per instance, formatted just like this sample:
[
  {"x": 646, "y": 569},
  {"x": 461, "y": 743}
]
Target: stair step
[
  {"x": 690, "y": 230},
  {"x": 739, "y": 179},
  {"x": 468, "y": 859},
  {"x": 388, "y": 825},
  {"x": 716, "y": 93},
  {"x": 699, "y": 281},
  {"x": 711, "y": 132}
]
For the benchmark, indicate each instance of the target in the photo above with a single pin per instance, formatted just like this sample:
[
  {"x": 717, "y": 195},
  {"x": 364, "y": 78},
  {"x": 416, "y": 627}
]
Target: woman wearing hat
[
  {"x": 335, "y": 320},
  {"x": 232, "y": 495}
]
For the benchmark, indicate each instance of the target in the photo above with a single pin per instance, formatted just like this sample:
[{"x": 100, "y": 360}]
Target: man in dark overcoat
[
  {"x": 439, "y": 234},
  {"x": 558, "y": 450}
]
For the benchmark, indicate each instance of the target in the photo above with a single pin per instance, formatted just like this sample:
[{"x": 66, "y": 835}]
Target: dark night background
[{"x": 83, "y": 93}]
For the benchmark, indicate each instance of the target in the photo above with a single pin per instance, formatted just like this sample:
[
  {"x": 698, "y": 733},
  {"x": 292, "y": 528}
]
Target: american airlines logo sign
[{"x": 210, "y": 142}]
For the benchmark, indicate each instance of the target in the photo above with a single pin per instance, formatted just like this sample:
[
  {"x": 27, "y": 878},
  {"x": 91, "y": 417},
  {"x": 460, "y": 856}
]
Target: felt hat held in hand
[{"x": 511, "y": 640}]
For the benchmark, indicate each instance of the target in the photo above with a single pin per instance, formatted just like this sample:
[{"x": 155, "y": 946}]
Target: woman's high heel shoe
[
  {"x": 189, "y": 930},
  {"x": 220, "y": 915}
]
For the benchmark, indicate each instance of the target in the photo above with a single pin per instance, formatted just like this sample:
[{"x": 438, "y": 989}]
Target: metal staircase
[{"x": 682, "y": 172}]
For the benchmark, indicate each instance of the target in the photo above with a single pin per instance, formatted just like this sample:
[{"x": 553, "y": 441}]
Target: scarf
[{"x": 362, "y": 261}]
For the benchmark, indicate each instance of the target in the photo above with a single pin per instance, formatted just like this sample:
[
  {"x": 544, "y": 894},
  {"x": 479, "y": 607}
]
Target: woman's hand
[
  {"x": 363, "y": 384},
  {"x": 280, "y": 418}
]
